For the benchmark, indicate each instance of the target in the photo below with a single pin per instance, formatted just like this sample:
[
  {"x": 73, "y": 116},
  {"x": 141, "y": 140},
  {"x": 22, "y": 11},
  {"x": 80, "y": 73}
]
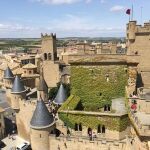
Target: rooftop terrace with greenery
[
  {"x": 92, "y": 87},
  {"x": 95, "y": 86}
]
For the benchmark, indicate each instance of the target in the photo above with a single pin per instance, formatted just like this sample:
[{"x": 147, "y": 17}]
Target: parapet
[
  {"x": 132, "y": 27},
  {"x": 45, "y": 36}
]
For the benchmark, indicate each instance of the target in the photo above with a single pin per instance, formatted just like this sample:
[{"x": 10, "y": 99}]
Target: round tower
[
  {"x": 42, "y": 89},
  {"x": 7, "y": 82},
  {"x": 18, "y": 93},
  {"x": 42, "y": 123},
  {"x": 8, "y": 78},
  {"x": 61, "y": 96}
]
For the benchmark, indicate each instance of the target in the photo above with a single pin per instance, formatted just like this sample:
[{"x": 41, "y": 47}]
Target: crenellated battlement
[
  {"x": 47, "y": 36},
  {"x": 84, "y": 143},
  {"x": 133, "y": 29}
]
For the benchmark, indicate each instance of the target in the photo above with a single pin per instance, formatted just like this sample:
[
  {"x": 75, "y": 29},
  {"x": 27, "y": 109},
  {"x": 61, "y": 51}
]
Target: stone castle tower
[
  {"x": 138, "y": 43},
  {"x": 49, "y": 49},
  {"x": 49, "y": 56},
  {"x": 42, "y": 89},
  {"x": 8, "y": 78},
  {"x": 42, "y": 123},
  {"x": 17, "y": 93},
  {"x": 8, "y": 82}
]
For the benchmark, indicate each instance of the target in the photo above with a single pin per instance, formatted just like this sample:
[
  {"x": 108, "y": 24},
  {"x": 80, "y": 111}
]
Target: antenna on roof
[
  {"x": 132, "y": 13},
  {"x": 141, "y": 15}
]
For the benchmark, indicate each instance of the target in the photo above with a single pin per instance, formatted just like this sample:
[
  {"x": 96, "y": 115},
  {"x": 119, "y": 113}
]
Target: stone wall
[
  {"x": 23, "y": 118},
  {"x": 84, "y": 144},
  {"x": 138, "y": 42},
  {"x": 51, "y": 73}
]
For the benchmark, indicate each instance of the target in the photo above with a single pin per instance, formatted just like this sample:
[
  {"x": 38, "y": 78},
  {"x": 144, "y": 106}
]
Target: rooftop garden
[
  {"x": 92, "y": 87},
  {"x": 97, "y": 85}
]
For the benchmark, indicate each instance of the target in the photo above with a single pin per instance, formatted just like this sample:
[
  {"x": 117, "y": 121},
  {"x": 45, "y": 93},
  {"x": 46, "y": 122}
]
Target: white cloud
[
  {"x": 102, "y": 1},
  {"x": 69, "y": 25},
  {"x": 117, "y": 8},
  {"x": 57, "y": 2},
  {"x": 82, "y": 26},
  {"x": 14, "y": 27}
]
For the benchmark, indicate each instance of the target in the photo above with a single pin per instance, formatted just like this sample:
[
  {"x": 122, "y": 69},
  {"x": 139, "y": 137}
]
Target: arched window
[
  {"x": 105, "y": 108},
  {"x": 76, "y": 127},
  {"x": 89, "y": 131},
  {"x": 99, "y": 129},
  {"x": 45, "y": 56},
  {"x": 80, "y": 127},
  {"x": 108, "y": 108},
  {"x": 103, "y": 129},
  {"x": 49, "y": 56}
]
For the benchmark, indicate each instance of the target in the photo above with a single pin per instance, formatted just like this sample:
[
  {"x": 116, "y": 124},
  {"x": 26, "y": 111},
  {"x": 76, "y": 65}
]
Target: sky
[{"x": 69, "y": 18}]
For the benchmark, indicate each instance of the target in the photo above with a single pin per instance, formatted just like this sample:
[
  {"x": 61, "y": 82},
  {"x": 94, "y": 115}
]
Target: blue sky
[{"x": 92, "y": 18}]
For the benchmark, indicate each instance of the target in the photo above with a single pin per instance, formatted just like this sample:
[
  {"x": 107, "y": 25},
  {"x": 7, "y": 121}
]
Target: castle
[{"x": 109, "y": 103}]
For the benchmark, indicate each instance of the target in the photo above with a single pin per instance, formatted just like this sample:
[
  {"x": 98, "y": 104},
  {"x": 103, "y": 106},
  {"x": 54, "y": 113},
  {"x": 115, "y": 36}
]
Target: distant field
[
  {"x": 2, "y": 42},
  {"x": 6, "y": 44}
]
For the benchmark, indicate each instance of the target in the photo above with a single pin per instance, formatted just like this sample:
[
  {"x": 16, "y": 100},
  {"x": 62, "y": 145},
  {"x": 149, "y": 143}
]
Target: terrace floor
[{"x": 12, "y": 143}]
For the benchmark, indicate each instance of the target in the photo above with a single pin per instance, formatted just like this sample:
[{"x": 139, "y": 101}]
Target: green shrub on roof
[{"x": 90, "y": 84}]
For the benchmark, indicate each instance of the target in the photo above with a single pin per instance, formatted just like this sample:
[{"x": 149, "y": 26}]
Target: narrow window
[
  {"x": 103, "y": 129},
  {"x": 80, "y": 127},
  {"x": 45, "y": 56},
  {"x": 76, "y": 127},
  {"x": 99, "y": 129}
]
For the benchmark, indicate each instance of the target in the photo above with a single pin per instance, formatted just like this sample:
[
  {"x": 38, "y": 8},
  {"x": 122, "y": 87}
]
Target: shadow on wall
[
  {"x": 10, "y": 127},
  {"x": 139, "y": 81}
]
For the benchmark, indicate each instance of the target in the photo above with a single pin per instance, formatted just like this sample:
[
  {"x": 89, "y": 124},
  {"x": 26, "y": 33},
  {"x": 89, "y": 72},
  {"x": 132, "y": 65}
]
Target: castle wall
[
  {"x": 43, "y": 95},
  {"x": 84, "y": 144},
  {"x": 8, "y": 96},
  {"x": 23, "y": 118},
  {"x": 143, "y": 106},
  {"x": 2, "y": 124},
  {"x": 138, "y": 42},
  {"x": 109, "y": 134},
  {"x": 51, "y": 73}
]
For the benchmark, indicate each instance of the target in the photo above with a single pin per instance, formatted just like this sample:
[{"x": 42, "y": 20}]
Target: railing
[{"x": 86, "y": 138}]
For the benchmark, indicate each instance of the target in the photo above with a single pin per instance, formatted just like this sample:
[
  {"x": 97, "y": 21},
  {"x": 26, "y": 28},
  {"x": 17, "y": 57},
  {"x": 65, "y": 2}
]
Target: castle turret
[
  {"x": 42, "y": 123},
  {"x": 42, "y": 89},
  {"x": 18, "y": 93},
  {"x": 49, "y": 49},
  {"x": 61, "y": 96},
  {"x": 8, "y": 78},
  {"x": 131, "y": 30},
  {"x": 49, "y": 65}
]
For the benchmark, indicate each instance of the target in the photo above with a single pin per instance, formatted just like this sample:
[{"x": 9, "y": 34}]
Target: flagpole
[
  {"x": 132, "y": 13},
  {"x": 141, "y": 15}
]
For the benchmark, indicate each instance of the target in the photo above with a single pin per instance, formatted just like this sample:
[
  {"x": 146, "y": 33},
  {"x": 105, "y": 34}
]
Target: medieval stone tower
[
  {"x": 42, "y": 123},
  {"x": 42, "y": 89},
  {"x": 49, "y": 56},
  {"x": 49, "y": 49},
  {"x": 17, "y": 93},
  {"x": 8, "y": 81},
  {"x": 138, "y": 43}
]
